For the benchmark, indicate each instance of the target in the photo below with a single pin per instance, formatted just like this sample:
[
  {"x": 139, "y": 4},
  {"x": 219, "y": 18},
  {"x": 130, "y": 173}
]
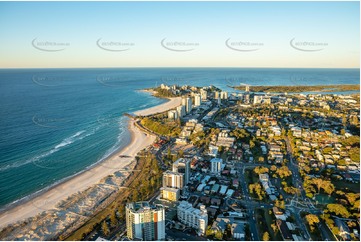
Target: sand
[
  {"x": 50, "y": 198},
  {"x": 172, "y": 103}
]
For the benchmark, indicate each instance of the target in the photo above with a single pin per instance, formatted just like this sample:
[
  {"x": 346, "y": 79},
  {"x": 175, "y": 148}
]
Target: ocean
[{"x": 57, "y": 122}]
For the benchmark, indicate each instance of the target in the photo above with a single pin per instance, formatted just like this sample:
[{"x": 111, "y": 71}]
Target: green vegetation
[
  {"x": 159, "y": 92},
  {"x": 354, "y": 143},
  {"x": 297, "y": 89},
  {"x": 260, "y": 170},
  {"x": 311, "y": 184},
  {"x": 265, "y": 236},
  {"x": 198, "y": 139},
  {"x": 330, "y": 223},
  {"x": 283, "y": 172},
  {"x": 241, "y": 135},
  {"x": 105, "y": 228},
  {"x": 142, "y": 184},
  {"x": 291, "y": 190},
  {"x": 266, "y": 225},
  {"x": 161, "y": 126},
  {"x": 257, "y": 189},
  {"x": 312, "y": 220},
  {"x": 338, "y": 209}
]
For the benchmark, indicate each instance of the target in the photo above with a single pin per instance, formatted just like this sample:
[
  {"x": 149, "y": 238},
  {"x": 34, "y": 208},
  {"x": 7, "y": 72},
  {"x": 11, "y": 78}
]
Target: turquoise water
[{"x": 57, "y": 122}]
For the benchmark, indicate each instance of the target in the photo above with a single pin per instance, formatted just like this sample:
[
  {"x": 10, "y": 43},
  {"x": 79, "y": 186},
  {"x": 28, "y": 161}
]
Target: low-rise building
[{"x": 171, "y": 194}]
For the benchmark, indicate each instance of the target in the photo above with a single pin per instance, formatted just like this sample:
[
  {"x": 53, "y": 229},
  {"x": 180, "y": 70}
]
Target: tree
[
  {"x": 355, "y": 154},
  {"x": 240, "y": 134},
  {"x": 257, "y": 188},
  {"x": 135, "y": 196},
  {"x": 274, "y": 227},
  {"x": 353, "y": 141},
  {"x": 265, "y": 236},
  {"x": 260, "y": 170},
  {"x": 338, "y": 209},
  {"x": 209, "y": 231},
  {"x": 318, "y": 182},
  {"x": 251, "y": 144},
  {"x": 283, "y": 172},
  {"x": 169, "y": 153},
  {"x": 218, "y": 235},
  {"x": 180, "y": 153},
  {"x": 326, "y": 185},
  {"x": 229, "y": 231},
  {"x": 312, "y": 220},
  {"x": 113, "y": 219},
  {"x": 105, "y": 228},
  {"x": 291, "y": 190},
  {"x": 121, "y": 211}
]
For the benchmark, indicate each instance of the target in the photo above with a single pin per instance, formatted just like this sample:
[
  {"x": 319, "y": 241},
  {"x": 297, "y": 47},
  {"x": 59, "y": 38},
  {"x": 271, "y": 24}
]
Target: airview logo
[
  {"x": 178, "y": 46},
  {"x": 115, "y": 46},
  {"x": 243, "y": 46},
  {"x": 49, "y": 46},
  {"x": 307, "y": 46}
]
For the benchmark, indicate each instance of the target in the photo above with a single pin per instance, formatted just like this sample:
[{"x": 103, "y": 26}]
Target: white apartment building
[
  {"x": 183, "y": 166},
  {"x": 181, "y": 110},
  {"x": 216, "y": 165},
  {"x": 172, "y": 114},
  {"x": 173, "y": 179},
  {"x": 197, "y": 100},
  {"x": 203, "y": 94},
  {"x": 188, "y": 104},
  {"x": 145, "y": 222},
  {"x": 193, "y": 217},
  {"x": 224, "y": 95}
]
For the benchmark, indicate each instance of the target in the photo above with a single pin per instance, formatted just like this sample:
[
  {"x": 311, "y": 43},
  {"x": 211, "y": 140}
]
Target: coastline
[
  {"x": 172, "y": 103},
  {"x": 49, "y": 198}
]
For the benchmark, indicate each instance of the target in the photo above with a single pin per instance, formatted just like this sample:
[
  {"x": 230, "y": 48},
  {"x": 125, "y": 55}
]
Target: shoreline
[
  {"x": 77, "y": 183},
  {"x": 51, "y": 196},
  {"x": 38, "y": 193},
  {"x": 170, "y": 104}
]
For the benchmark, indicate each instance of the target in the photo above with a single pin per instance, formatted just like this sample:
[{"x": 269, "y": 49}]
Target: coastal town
[
  {"x": 224, "y": 166},
  {"x": 255, "y": 166}
]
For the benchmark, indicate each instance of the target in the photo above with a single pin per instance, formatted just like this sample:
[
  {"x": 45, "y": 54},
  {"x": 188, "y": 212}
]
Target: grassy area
[
  {"x": 250, "y": 176},
  {"x": 324, "y": 199},
  {"x": 161, "y": 126},
  {"x": 297, "y": 89}
]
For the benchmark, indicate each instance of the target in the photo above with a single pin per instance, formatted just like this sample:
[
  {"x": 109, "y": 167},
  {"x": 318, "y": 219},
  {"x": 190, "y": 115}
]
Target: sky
[{"x": 180, "y": 34}]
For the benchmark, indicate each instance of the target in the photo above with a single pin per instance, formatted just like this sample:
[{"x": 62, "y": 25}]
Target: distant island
[{"x": 297, "y": 89}]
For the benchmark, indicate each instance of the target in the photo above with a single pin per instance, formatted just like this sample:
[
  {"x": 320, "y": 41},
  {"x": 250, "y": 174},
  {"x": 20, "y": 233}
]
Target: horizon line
[{"x": 178, "y": 67}]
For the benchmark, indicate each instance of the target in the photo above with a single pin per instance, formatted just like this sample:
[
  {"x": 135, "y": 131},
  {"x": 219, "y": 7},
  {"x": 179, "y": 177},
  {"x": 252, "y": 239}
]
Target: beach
[
  {"x": 172, "y": 103},
  {"x": 118, "y": 161}
]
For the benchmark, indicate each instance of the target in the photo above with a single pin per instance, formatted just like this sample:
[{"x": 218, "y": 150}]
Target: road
[
  {"x": 301, "y": 203},
  {"x": 176, "y": 234},
  {"x": 247, "y": 202},
  {"x": 293, "y": 166}
]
